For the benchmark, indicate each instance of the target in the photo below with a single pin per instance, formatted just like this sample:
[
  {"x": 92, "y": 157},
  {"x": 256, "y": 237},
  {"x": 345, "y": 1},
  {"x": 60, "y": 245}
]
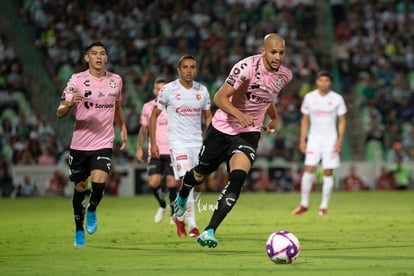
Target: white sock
[
  {"x": 306, "y": 187},
  {"x": 190, "y": 211},
  {"x": 326, "y": 191}
]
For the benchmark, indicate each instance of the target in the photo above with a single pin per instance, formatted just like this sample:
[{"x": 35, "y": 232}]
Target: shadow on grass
[{"x": 174, "y": 248}]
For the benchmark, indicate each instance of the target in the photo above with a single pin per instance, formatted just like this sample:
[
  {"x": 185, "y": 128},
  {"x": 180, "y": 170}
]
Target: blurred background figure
[
  {"x": 402, "y": 173},
  {"x": 57, "y": 184},
  {"x": 353, "y": 182},
  {"x": 385, "y": 180},
  {"x": 27, "y": 187}
]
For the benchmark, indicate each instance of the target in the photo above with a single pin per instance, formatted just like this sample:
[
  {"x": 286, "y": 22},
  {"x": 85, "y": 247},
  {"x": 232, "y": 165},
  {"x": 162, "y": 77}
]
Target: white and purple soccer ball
[{"x": 282, "y": 247}]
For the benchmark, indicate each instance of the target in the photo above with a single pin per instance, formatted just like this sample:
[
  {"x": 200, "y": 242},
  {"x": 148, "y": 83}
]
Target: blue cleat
[
  {"x": 180, "y": 205},
  {"x": 207, "y": 238},
  {"x": 91, "y": 223},
  {"x": 79, "y": 238}
]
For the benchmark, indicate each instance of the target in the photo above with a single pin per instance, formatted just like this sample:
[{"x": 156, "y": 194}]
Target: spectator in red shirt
[{"x": 353, "y": 182}]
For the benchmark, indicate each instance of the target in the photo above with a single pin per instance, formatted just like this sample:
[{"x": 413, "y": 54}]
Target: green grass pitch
[{"x": 366, "y": 233}]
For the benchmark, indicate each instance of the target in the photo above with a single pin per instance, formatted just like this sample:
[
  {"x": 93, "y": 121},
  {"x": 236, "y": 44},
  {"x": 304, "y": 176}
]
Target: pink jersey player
[
  {"x": 95, "y": 97},
  {"x": 162, "y": 124},
  {"x": 95, "y": 113},
  {"x": 243, "y": 101},
  {"x": 256, "y": 90}
]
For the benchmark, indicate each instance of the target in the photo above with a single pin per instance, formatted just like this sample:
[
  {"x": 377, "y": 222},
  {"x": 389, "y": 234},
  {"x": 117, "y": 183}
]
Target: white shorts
[
  {"x": 322, "y": 150},
  {"x": 183, "y": 159}
]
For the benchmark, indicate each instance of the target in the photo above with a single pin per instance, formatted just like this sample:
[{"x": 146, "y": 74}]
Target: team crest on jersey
[
  {"x": 198, "y": 97},
  {"x": 279, "y": 80},
  {"x": 112, "y": 83}
]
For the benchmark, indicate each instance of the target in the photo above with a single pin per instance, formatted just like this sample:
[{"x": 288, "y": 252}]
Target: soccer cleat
[
  {"x": 180, "y": 205},
  {"x": 207, "y": 238},
  {"x": 194, "y": 233},
  {"x": 79, "y": 238},
  {"x": 91, "y": 223},
  {"x": 323, "y": 212},
  {"x": 180, "y": 227},
  {"x": 300, "y": 210},
  {"x": 160, "y": 214}
]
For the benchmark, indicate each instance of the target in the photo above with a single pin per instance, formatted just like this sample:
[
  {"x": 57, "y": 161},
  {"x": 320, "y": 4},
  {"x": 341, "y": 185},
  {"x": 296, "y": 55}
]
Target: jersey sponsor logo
[
  {"x": 87, "y": 93},
  {"x": 105, "y": 105},
  {"x": 230, "y": 80},
  {"x": 112, "y": 94},
  {"x": 86, "y": 83},
  {"x": 87, "y": 105},
  {"x": 181, "y": 157},
  {"x": 178, "y": 97},
  {"x": 112, "y": 83},
  {"x": 243, "y": 65},
  {"x": 254, "y": 98},
  {"x": 322, "y": 113},
  {"x": 187, "y": 110}
]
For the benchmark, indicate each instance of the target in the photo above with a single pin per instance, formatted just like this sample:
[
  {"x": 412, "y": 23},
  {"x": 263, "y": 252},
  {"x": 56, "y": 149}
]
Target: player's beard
[{"x": 274, "y": 66}]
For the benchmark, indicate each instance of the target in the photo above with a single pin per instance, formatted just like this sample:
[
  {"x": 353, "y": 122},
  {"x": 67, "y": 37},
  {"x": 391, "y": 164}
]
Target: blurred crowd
[
  {"x": 373, "y": 52},
  {"x": 376, "y": 40}
]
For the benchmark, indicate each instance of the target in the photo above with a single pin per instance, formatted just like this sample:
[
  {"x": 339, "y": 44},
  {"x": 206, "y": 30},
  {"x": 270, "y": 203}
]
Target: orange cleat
[{"x": 300, "y": 210}]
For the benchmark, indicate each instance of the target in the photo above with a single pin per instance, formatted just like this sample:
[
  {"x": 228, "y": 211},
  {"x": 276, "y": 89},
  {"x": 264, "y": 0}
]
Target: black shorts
[
  {"x": 219, "y": 147},
  {"x": 82, "y": 162},
  {"x": 160, "y": 166}
]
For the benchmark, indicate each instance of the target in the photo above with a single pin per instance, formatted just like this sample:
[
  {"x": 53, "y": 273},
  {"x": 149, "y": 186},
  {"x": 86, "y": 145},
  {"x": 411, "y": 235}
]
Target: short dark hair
[
  {"x": 95, "y": 44},
  {"x": 183, "y": 58},
  {"x": 324, "y": 73},
  {"x": 159, "y": 80}
]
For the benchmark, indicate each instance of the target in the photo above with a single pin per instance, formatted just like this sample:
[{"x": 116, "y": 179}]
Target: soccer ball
[{"x": 282, "y": 247}]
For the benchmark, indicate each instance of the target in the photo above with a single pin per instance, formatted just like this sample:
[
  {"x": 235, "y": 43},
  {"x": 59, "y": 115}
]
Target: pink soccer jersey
[
  {"x": 184, "y": 110},
  {"x": 323, "y": 112},
  {"x": 256, "y": 88},
  {"x": 95, "y": 114},
  {"x": 162, "y": 124}
]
